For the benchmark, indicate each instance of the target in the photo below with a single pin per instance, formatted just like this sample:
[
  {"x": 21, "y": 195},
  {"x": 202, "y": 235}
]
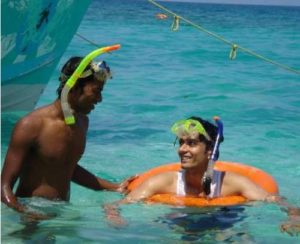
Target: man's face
[
  {"x": 89, "y": 96},
  {"x": 192, "y": 152}
]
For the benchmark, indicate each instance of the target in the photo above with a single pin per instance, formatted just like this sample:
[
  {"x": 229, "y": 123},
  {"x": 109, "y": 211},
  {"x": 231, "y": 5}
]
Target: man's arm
[
  {"x": 237, "y": 184},
  {"x": 161, "y": 183},
  {"x": 22, "y": 139},
  {"x": 85, "y": 178},
  {"x": 251, "y": 191}
]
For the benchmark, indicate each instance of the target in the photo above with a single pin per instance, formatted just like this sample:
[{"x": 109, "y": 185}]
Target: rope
[
  {"x": 87, "y": 40},
  {"x": 233, "y": 46}
]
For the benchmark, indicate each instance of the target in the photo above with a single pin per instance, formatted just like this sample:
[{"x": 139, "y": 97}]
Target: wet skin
[{"x": 44, "y": 152}]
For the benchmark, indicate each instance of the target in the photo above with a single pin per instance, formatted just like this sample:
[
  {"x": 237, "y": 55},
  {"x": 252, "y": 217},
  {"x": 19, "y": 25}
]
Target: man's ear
[
  {"x": 76, "y": 90},
  {"x": 209, "y": 153},
  {"x": 74, "y": 94}
]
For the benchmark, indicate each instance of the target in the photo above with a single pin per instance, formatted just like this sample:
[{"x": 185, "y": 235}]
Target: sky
[{"x": 259, "y": 2}]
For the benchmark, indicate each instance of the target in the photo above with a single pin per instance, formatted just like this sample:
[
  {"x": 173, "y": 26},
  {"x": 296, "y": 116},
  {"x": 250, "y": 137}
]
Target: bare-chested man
[{"x": 44, "y": 152}]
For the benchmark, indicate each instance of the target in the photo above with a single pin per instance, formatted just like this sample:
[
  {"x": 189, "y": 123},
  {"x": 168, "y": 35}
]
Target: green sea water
[{"x": 159, "y": 77}]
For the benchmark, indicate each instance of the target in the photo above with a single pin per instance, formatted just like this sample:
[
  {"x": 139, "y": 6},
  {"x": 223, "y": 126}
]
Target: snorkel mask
[
  {"x": 189, "y": 127},
  {"x": 100, "y": 70}
]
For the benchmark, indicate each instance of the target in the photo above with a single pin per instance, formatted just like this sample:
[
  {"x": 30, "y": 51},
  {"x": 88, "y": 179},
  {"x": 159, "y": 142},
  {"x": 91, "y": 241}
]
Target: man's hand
[
  {"x": 113, "y": 215},
  {"x": 292, "y": 226},
  {"x": 123, "y": 187},
  {"x": 31, "y": 216}
]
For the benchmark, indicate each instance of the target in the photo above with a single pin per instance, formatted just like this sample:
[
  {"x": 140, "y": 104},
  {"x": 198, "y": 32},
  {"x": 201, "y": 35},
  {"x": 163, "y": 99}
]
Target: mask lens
[
  {"x": 104, "y": 66},
  {"x": 101, "y": 71},
  {"x": 189, "y": 127}
]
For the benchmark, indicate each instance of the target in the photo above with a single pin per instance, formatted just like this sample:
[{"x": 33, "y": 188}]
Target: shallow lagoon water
[{"x": 162, "y": 76}]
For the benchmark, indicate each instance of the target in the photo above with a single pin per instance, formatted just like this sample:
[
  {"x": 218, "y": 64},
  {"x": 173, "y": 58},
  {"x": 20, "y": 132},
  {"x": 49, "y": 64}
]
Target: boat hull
[{"x": 34, "y": 36}]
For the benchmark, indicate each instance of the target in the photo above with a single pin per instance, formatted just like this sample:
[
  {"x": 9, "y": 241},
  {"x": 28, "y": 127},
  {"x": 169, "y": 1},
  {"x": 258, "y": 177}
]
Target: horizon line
[{"x": 232, "y": 2}]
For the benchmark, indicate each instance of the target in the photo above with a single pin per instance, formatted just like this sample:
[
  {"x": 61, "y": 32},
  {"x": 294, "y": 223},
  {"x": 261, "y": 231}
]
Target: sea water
[{"x": 159, "y": 77}]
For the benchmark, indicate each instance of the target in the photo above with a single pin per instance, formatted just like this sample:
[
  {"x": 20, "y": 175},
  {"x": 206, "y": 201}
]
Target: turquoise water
[{"x": 161, "y": 76}]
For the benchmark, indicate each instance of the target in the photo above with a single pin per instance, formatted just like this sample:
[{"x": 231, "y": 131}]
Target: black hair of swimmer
[
  {"x": 67, "y": 70},
  {"x": 211, "y": 129}
]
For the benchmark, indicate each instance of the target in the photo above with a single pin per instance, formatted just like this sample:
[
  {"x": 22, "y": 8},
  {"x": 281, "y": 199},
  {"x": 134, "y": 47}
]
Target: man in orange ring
[
  {"x": 44, "y": 152},
  {"x": 196, "y": 143}
]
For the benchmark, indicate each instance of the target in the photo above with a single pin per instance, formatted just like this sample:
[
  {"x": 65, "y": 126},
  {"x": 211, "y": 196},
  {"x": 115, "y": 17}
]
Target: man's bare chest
[{"x": 61, "y": 144}]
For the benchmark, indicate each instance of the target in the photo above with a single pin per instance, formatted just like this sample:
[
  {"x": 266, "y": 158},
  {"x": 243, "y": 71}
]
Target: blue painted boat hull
[{"x": 34, "y": 36}]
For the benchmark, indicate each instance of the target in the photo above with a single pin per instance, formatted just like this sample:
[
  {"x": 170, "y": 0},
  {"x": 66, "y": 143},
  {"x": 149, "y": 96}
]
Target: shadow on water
[
  {"x": 58, "y": 215},
  {"x": 210, "y": 224},
  {"x": 33, "y": 233}
]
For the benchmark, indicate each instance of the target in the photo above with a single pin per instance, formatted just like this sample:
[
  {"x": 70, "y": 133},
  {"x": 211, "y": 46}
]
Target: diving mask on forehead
[
  {"x": 100, "y": 71},
  {"x": 189, "y": 127}
]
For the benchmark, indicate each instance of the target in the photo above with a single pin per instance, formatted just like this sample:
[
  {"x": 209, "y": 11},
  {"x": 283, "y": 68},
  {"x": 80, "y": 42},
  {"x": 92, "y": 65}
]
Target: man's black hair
[
  {"x": 66, "y": 72},
  {"x": 211, "y": 129}
]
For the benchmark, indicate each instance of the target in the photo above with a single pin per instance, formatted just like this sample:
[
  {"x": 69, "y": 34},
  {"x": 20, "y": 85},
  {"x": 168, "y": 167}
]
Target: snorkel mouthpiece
[
  {"x": 103, "y": 75},
  {"x": 207, "y": 178}
]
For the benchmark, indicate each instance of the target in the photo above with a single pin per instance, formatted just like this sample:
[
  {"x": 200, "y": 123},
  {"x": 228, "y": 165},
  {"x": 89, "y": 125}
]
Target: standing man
[{"x": 44, "y": 151}]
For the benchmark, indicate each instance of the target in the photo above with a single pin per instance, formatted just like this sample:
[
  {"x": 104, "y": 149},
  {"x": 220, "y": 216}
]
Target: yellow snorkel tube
[{"x": 67, "y": 111}]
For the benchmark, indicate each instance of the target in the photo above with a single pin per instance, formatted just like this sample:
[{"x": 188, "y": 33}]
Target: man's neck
[
  {"x": 58, "y": 108},
  {"x": 193, "y": 176}
]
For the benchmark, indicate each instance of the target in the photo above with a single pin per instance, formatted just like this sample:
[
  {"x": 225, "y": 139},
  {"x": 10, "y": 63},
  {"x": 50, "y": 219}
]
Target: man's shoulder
[
  {"x": 45, "y": 110},
  {"x": 234, "y": 180},
  {"x": 166, "y": 177},
  {"x": 36, "y": 117},
  {"x": 232, "y": 175},
  {"x": 27, "y": 125}
]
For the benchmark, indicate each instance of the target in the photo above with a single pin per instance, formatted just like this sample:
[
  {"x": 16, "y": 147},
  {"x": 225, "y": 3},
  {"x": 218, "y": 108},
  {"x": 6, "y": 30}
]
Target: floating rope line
[{"x": 233, "y": 46}]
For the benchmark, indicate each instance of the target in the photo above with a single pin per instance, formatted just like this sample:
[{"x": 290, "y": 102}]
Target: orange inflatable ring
[{"x": 256, "y": 175}]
